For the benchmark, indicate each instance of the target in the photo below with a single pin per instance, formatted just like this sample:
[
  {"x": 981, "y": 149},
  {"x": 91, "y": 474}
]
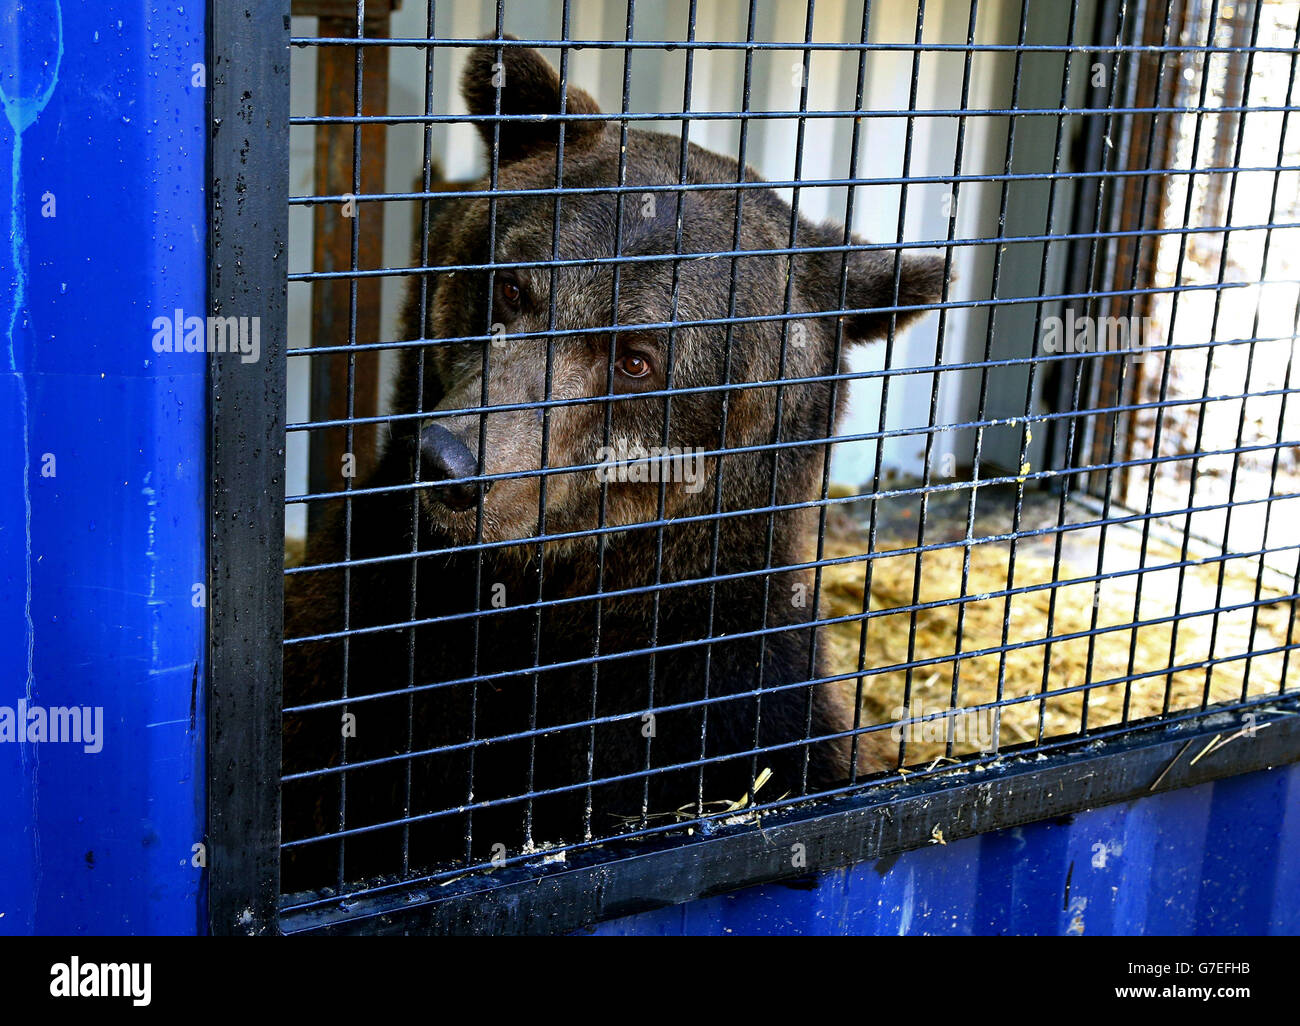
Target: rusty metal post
[{"x": 332, "y": 302}]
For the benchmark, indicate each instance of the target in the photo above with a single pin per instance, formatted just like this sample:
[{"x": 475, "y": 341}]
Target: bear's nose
[{"x": 445, "y": 459}]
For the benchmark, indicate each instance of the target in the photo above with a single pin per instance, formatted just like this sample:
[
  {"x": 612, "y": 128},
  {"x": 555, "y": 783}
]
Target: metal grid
[{"x": 1124, "y": 173}]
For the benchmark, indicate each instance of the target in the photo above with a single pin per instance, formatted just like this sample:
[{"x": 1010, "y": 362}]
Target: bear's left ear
[
  {"x": 528, "y": 85},
  {"x": 871, "y": 289}
]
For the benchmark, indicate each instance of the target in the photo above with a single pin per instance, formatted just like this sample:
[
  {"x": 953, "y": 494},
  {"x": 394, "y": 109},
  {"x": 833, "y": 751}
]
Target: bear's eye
[
  {"x": 633, "y": 366},
  {"x": 510, "y": 291}
]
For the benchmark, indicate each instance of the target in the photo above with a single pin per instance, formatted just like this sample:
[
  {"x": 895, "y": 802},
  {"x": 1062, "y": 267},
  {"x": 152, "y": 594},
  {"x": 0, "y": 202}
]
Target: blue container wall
[
  {"x": 102, "y": 463},
  {"x": 1218, "y": 859}
]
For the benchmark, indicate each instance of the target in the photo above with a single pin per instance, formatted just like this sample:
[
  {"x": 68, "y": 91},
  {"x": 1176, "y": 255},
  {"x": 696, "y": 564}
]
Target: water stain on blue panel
[{"x": 30, "y": 58}]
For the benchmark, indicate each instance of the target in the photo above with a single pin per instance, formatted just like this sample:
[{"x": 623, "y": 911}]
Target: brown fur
[{"x": 499, "y": 644}]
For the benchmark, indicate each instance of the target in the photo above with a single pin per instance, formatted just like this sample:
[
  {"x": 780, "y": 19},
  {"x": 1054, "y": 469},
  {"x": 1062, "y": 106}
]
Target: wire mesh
[{"x": 646, "y": 495}]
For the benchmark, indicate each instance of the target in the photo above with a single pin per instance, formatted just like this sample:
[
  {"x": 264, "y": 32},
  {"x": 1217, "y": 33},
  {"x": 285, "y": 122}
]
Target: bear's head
[{"x": 603, "y": 339}]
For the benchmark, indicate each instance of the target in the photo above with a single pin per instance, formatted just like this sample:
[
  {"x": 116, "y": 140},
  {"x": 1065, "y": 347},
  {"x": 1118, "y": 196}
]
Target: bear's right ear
[
  {"x": 528, "y": 85},
  {"x": 871, "y": 289}
]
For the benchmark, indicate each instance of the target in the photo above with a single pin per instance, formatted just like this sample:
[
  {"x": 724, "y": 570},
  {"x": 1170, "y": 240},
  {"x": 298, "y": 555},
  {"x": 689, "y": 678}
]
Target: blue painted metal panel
[
  {"x": 1218, "y": 859},
  {"x": 102, "y": 463}
]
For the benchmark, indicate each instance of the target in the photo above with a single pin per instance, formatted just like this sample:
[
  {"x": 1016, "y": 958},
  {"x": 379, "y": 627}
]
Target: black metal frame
[
  {"x": 248, "y": 152},
  {"x": 250, "y": 200}
]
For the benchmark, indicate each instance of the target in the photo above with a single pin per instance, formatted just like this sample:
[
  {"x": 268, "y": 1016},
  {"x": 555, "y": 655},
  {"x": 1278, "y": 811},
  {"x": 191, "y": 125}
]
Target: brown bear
[{"x": 564, "y": 621}]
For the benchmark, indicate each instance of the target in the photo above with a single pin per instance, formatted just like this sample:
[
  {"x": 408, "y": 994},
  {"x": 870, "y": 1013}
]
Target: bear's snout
[{"x": 447, "y": 462}]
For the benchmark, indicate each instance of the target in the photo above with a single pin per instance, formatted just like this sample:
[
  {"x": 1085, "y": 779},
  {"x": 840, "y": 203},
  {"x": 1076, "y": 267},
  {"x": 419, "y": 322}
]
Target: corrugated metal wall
[
  {"x": 1218, "y": 859},
  {"x": 103, "y": 467}
]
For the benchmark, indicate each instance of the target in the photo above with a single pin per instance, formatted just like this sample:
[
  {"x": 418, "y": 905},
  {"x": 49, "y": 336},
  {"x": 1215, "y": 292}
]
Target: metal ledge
[{"x": 620, "y": 880}]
